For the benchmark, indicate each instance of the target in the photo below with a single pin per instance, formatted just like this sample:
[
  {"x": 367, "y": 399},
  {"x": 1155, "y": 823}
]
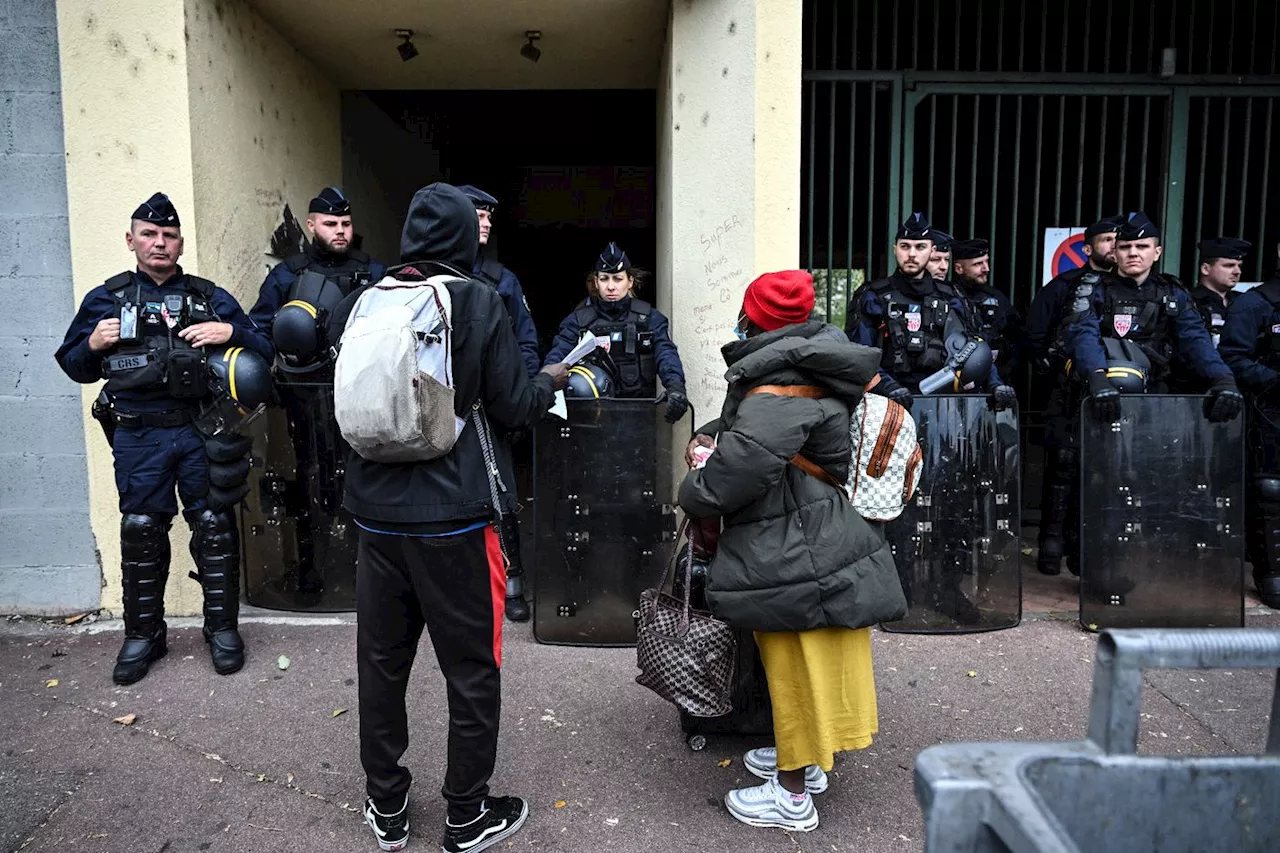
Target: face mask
[{"x": 739, "y": 334}]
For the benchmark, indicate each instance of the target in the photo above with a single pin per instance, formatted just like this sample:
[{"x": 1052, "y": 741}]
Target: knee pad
[
  {"x": 214, "y": 532},
  {"x": 1268, "y": 489},
  {"x": 143, "y": 537},
  {"x": 228, "y": 475},
  {"x": 227, "y": 450}
]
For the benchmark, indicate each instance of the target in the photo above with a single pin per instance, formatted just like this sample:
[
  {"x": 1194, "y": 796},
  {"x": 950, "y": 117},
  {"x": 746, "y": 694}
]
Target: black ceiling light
[
  {"x": 530, "y": 51},
  {"x": 406, "y": 48}
]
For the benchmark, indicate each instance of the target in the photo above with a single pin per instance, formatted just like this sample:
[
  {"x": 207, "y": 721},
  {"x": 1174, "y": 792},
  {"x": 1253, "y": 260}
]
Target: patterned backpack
[{"x": 885, "y": 468}]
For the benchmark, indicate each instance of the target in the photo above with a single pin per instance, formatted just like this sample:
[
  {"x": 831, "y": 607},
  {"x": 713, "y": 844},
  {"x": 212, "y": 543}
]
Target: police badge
[{"x": 1122, "y": 323}]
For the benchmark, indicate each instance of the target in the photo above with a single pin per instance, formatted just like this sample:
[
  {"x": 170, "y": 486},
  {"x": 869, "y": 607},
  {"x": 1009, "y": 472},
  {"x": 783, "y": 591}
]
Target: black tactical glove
[
  {"x": 677, "y": 404},
  {"x": 1224, "y": 401},
  {"x": 1106, "y": 399},
  {"x": 1002, "y": 397}
]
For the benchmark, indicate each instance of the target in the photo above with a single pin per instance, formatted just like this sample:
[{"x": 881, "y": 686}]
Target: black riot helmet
[
  {"x": 1127, "y": 366},
  {"x": 297, "y": 331},
  {"x": 241, "y": 387},
  {"x": 589, "y": 381}
]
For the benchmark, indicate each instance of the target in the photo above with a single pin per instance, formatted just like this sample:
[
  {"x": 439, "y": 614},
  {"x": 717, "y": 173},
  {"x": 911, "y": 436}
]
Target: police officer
[
  {"x": 907, "y": 316},
  {"x": 992, "y": 316},
  {"x": 295, "y": 302},
  {"x": 1043, "y": 344},
  {"x": 489, "y": 269},
  {"x": 1250, "y": 345},
  {"x": 147, "y": 332},
  {"x": 1126, "y": 327},
  {"x": 939, "y": 265},
  {"x": 1220, "y": 268},
  {"x": 641, "y": 350}
]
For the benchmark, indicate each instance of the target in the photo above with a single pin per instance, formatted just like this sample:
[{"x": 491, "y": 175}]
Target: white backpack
[
  {"x": 885, "y": 468},
  {"x": 393, "y": 380}
]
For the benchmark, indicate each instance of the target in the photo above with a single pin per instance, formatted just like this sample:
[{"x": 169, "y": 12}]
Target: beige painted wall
[
  {"x": 729, "y": 157},
  {"x": 207, "y": 103}
]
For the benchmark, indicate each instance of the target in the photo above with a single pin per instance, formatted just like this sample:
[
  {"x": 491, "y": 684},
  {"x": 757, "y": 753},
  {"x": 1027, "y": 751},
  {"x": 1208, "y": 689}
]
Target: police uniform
[
  {"x": 156, "y": 383},
  {"x": 296, "y": 301},
  {"x": 1210, "y": 305},
  {"x": 992, "y": 316},
  {"x": 1250, "y": 346},
  {"x": 1044, "y": 345},
  {"x": 640, "y": 347},
  {"x": 488, "y": 269},
  {"x": 909, "y": 319}
]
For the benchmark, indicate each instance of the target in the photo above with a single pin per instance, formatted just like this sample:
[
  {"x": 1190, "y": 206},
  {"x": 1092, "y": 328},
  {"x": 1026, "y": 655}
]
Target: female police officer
[
  {"x": 146, "y": 332},
  {"x": 640, "y": 346}
]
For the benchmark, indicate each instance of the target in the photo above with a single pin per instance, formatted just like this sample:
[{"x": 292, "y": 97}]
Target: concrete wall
[
  {"x": 729, "y": 158},
  {"x": 203, "y": 101},
  {"x": 47, "y": 559}
]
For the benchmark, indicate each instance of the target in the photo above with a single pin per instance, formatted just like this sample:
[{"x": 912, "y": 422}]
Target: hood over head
[{"x": 441, "y": 226}]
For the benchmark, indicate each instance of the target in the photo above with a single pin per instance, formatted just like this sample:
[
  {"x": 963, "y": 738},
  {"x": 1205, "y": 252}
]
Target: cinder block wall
[{"x": 48, "y": 562}]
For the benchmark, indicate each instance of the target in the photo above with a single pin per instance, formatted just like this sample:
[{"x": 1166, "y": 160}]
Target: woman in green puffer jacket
[{"x": 796, "y": 564}]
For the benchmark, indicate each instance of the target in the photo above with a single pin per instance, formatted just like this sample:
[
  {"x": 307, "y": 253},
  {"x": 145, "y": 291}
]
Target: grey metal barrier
[{"x": 1098, "y": 794}]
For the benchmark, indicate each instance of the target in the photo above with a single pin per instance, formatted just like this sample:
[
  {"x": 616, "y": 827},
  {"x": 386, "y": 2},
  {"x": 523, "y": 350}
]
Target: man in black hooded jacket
[{"x": 429, "y": 554}]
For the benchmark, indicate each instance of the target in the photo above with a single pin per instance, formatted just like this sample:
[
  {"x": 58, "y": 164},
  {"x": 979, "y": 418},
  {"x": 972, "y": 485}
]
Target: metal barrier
[{"x": 1097, "y": 794}]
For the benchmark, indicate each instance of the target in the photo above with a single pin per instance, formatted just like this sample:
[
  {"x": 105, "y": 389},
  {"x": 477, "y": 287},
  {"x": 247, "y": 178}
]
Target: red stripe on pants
[{"x": 498, "y": 584}]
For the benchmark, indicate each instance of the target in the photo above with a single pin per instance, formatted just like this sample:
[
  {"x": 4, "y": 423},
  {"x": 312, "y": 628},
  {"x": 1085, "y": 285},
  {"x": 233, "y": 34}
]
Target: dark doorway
[{"x": 572, "y": 170}]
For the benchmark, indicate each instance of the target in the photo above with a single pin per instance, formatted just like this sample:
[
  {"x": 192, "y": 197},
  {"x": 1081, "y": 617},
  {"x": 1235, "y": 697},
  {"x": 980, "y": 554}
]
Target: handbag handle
[{"x": 688, "y": 579}]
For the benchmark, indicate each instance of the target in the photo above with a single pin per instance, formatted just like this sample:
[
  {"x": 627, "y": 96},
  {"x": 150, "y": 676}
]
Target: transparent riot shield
[
  {"x": 604, "y": 518},
  {"x": 299, "y": 546},
  {"x": 956, "y": 544},
  {"x": 1162, "y": 517}
]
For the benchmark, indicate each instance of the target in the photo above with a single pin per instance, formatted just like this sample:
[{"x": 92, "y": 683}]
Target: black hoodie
[{"x": 441, "y": 236}]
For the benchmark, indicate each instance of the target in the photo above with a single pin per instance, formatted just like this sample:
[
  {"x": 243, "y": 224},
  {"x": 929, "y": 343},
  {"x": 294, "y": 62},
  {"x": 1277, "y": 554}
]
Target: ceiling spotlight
[
  {"x": 406, "y": 49},
  {"x": 530, "y": 51}
]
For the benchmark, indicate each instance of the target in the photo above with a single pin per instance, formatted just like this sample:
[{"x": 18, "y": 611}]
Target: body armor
[
  {"x": 151, "y": 361},
  {"x": 1142, "y": 315},
  {"x": 631, "y": 344},
  {"x": 1212, "y": 311},
  {"x": 317, "y": 290},
  {"x": 915, "y": 323}
]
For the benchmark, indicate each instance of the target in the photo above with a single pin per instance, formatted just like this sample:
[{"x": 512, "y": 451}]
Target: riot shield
[
  {"x": 299, "y": 546},
  {"x": 1162, "y": 517},
  {"x": 956, "y": 544},
  {"x": 603, "y": 517}
]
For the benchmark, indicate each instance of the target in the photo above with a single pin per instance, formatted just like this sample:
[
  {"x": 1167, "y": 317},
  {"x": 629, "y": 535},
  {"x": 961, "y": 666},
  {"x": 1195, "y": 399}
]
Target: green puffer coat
[{"x": 794, "y": 555}]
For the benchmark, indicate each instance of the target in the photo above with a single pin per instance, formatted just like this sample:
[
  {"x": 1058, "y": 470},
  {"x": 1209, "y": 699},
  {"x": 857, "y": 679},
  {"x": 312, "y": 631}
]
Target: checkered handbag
[
  {"x": 885, "y": 468},
  {"x": 685, "y": 655}
]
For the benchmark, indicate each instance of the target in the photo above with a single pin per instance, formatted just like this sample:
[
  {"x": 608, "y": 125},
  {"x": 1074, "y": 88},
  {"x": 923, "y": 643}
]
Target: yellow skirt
[{"x": 823, "y": 692}]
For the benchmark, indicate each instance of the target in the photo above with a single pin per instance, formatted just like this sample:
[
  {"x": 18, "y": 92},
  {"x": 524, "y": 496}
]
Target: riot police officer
[
  {"x": 939, "y": 265},
  {"x": 1126, "y": 327},
  {"x": 910, "y": 315},
  {"x": 488, "y": 269},
  {"x": 1060, "y": 496},
  {"x": 147, "y": 333},
  {"x": 1220, "y": 267},
  {"x": 640, "y": 347},
  {"x": 992, "y": 316},
  {"x": 295, "y": 302},
  {"x": 1250, "y": 345}
]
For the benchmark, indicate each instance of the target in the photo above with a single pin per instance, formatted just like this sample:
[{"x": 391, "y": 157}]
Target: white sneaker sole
[
  {"x": 807, "y": 825},
  {"x": 501, "y": 836},
  {"x": 389, "y": 846},
  {"x": 768, "y": 773}
]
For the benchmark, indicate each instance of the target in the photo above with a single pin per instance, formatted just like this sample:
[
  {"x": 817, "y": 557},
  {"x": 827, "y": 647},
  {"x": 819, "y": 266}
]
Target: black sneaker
[
  {"x": 500, "y": 818},
  {"x": 392, "y": 830}
]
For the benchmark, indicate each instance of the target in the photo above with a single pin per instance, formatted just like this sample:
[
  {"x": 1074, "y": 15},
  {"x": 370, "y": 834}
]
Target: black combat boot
[
  {"x": 144, "y": 552},
  {"x": 1053, "y": 515},
  {"x": 517, "y": 606},
  {"x": 215, "y": 548}
]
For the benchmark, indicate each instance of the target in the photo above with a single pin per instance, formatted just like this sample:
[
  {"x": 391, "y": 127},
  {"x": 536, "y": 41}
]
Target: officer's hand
[
  {"x": 1224, "y": 402},
  {"x": 559, "y": 374},
  {"x": 698, "y": 441},
  {"x": 1003, "y": 397},
  {"x": 105, "y": 335},
  {"x": 207, "y": 334},
  {"x": 677, "y": 405},
  {"x": 1106, "y": 399}
]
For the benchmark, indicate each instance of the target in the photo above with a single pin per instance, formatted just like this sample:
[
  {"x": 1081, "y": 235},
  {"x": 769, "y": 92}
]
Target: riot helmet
[
  {"x": 1127, "y": 366},
  {"x": 589, "y": 381},
  {"x": 296, "y": 330},
  {"x": 240, "y": 384}
]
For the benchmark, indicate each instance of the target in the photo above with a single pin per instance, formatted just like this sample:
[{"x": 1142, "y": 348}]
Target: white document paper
[
  {"x": 585, "y": 346},
  {"x": 560, "y": 408}
]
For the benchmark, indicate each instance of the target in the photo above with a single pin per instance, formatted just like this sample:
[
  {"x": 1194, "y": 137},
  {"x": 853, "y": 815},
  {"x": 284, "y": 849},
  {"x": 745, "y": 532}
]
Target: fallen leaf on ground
[
  {"x": 52, "y": 682},
  {"x": 611, "y": 821},
  {"x": 561, "y": 803},
  {"x": 71, "y": 620},
  {"x": 126, "y": 720},
  {"x": 338, "y": 712},
  {"x": 973, "y": 673},
  {"x": 725, "y": 763},
  {"x": 283, "y": 662}
]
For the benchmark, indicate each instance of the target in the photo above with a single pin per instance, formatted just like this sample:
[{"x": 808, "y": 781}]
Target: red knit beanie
[{"x": 778, "y": 299}]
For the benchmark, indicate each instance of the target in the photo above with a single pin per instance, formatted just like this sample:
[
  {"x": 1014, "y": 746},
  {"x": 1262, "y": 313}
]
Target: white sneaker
[
  {"x": 771, "y": 805},
  {"x": 763, "y": 762}
]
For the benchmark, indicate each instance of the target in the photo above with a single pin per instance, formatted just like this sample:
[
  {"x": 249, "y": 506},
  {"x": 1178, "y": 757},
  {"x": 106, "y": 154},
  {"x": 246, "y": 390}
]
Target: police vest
[
  {"x": 986, "y": 316},
  {"x": 915, "y": 325},
  {"x": 630, "y": 345},
  {"x": 1142, "y": 314},
  {"x": 1212, "y": 311},
  {"x": 150, "y": 359},
  {"x": 1269, "y": 350},
  {"x": 323, "y": 287}
]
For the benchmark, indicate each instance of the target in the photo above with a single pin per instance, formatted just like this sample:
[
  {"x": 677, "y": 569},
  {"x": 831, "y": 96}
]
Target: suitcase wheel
[{"x": 697, "y": 742}]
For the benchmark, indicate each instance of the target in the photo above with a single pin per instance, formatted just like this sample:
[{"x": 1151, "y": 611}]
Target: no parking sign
[{"x": 1063, "y": 251}]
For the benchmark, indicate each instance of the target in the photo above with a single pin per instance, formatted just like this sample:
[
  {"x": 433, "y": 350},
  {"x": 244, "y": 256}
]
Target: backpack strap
[
  {"x": 812, "y": 392},
  {"x": 640, "y": 310},
  {"x": 118, "y": 282},
  {"x": 202, "y": 286}
]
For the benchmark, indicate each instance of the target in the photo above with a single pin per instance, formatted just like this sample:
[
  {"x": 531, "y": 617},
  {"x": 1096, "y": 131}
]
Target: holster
[{"x": 106, "y": 418}]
